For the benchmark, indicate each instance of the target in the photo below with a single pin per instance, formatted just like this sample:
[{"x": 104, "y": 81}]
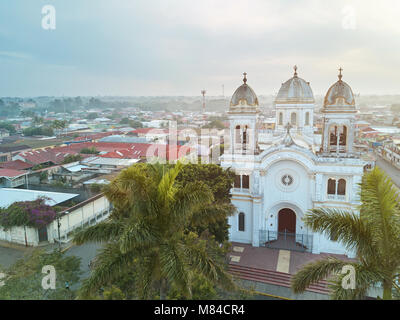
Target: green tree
[
  {"x": 373, "y": 234},
  {"x": 24, "y": 278},
  {"x": 148, "y": 232},
  {"x": 135, "y": 124},
  {"x": 92, "y": 115},
  {"x": 90, "y": 150},
  {"x": 72, "y": 158},
  {"x": 220, "y": 182}
]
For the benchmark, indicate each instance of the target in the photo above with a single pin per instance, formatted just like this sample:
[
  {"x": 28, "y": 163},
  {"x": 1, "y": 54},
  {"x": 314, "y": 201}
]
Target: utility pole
[{"x": 58, "y": 227}]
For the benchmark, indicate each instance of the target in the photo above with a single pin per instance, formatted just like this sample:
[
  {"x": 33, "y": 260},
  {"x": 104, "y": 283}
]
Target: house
[
  {"x": 70, "y": 218},
  {"x": 10, "y": 178}
]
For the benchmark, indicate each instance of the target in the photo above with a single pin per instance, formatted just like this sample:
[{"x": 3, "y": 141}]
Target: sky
[{"x": 179, "y": 47}]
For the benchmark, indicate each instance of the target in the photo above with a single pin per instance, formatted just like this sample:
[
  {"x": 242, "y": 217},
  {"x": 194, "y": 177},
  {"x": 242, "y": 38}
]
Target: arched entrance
[{"x": 287, "y": 221}]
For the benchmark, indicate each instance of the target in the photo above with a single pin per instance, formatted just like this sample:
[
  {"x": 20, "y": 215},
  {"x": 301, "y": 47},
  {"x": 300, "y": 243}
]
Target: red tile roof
[
  {"x": 10, "y": 173},
  {"x": 16, "y": 165}
]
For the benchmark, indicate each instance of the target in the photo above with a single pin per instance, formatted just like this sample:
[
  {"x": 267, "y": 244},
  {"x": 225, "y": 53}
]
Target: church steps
[{"x": 272, "y": 277}]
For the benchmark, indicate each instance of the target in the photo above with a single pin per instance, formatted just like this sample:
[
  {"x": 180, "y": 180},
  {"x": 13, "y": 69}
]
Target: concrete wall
[
  {"x": 85, "y": 213},
  {"x": 17, "y": 235}
]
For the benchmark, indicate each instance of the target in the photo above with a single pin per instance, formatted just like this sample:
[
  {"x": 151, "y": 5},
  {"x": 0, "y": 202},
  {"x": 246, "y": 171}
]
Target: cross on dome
[
  {"x": 244, "y": 79},
  {"x": 340, "y": 73},
  {"x": 295, "y": 71}
]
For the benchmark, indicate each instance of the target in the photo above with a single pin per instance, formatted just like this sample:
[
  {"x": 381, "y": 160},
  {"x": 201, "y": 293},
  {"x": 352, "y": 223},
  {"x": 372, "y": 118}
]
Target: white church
[{"x": 283, "y": 174}]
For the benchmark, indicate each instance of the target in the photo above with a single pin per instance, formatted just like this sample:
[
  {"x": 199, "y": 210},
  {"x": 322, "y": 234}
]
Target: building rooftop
[{"x": 10, "y": 195}]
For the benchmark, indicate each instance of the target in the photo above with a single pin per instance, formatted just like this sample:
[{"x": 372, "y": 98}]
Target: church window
[
  {"x": 293, "y": 119},
  {"x": 343, "y": 136},
  {"x": 331, "y": 186},
  {"x": 245, "y": 182},
  {"x": 333, "y": 136},
  {"x": 237, "y": 182},
  {"x": 280, "y": 119},
  {"x": 242, "y": 182},
  {"x": 241, "y": 221},
  {"x": 237, "y": 134},
  {"x": 245, "y": 136},
  {"x": 287, "y": 180},
  {"x": 341, "y": 187},
  {"x": 307, "y": 119}
]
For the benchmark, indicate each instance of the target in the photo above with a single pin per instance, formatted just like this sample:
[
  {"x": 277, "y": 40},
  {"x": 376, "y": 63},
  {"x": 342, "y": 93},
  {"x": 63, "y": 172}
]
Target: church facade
[{"x": 283, "y": 174}]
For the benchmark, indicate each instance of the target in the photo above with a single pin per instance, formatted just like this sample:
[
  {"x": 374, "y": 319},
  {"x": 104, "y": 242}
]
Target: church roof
[
  {"x": 290, "y": 140},
  {"x": 295, "y": 91},
  {"x": 244, "y": 99},
  {"x": 340, "y": 97}
]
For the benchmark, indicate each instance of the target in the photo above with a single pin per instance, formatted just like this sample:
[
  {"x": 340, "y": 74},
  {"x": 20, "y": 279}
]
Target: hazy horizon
[{"x": 177, "y": 48}]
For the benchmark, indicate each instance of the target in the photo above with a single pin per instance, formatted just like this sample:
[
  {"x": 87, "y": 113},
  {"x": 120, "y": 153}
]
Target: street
[{"x": 390, "y": 170}]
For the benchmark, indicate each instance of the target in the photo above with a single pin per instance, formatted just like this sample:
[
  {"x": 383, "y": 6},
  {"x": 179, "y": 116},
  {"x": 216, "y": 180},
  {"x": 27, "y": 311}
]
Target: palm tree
[
  {"x": 147, "y": 232},
  {"x": 374, "y": 234}
]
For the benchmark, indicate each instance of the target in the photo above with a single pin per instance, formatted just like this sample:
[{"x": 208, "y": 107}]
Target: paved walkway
[{"x": 275, "y": 259}]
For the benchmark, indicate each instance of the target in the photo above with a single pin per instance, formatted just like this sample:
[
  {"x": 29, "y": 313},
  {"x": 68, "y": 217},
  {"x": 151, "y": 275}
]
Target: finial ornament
[
  {"x": 295, "y": 71},
  {"x": 340, "y": 73},
  {"x": 244, "y": 79},
  {"x": 288, "y": 140}
]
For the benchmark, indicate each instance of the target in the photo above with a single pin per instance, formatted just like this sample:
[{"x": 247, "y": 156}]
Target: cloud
[{"x": 176, "y": 47}]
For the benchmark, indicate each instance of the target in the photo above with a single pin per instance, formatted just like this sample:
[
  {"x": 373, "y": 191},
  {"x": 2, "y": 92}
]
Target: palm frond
[
  {"x": 102, "y": 232},
  {"x": 342, "y": 226},
  {"x": 314, "y": 272},
  {"x": 109, "y": 266}
]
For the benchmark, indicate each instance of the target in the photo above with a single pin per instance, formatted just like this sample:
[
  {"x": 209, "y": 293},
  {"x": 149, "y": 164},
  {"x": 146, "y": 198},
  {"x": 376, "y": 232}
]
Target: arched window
[
  {"x": 307, "y": 123},
  {"x": 245, "y": 135},
  {"x": 331, "y": 186},
  {"x": 237, "y": 134},
  {"x": 245, "y": 182},
  {"x": 341, "y": 187},
  {"x": 333, "y": 135},
  {"x": 241, "y": 221},
  {"x": 293, "y": 118},
  {"x": 280, "y": 119},
  {"x": 343, "y": 136}
]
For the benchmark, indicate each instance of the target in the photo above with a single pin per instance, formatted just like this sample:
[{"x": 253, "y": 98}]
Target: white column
[{"x": 256, "y": 222}]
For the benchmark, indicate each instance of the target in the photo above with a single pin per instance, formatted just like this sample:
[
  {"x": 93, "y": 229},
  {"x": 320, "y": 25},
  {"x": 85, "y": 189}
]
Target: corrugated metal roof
[{"x": 9, "y": 195}]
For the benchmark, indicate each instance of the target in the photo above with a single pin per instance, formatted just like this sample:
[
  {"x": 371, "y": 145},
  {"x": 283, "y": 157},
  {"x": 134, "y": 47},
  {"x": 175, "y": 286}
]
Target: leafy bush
[
  {"x": 91, "y": 150},
  {"x": 41, "y": 131},
  {"x": 35, "y": 214}
]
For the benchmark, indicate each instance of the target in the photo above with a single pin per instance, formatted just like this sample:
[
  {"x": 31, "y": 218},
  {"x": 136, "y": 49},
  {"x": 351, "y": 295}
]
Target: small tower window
[
  {"x": 237, "y": 182},
  {"x": 245, "y": 182},
  {"x": 280, "y": 119},
  {"x": 245, "y": 136},
  {"x": 307, "y": 123},
  {"x": 237, "y": 134},
  {"x": 293, "y": 119},
  {"x": 343, "y": 136},
  {"x": 241, "y": 221}
]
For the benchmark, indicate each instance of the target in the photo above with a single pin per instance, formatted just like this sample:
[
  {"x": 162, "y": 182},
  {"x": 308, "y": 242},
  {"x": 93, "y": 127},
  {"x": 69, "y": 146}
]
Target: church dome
[
  {"x": 244, "y": 98},
  {"x": 295, "y": 91},
  {"x": 339, "y": 97}
]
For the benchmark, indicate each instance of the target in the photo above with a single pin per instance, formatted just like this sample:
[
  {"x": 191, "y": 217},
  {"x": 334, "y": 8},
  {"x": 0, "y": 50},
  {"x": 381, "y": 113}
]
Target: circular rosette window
[{"x": 287, "y": 180}]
